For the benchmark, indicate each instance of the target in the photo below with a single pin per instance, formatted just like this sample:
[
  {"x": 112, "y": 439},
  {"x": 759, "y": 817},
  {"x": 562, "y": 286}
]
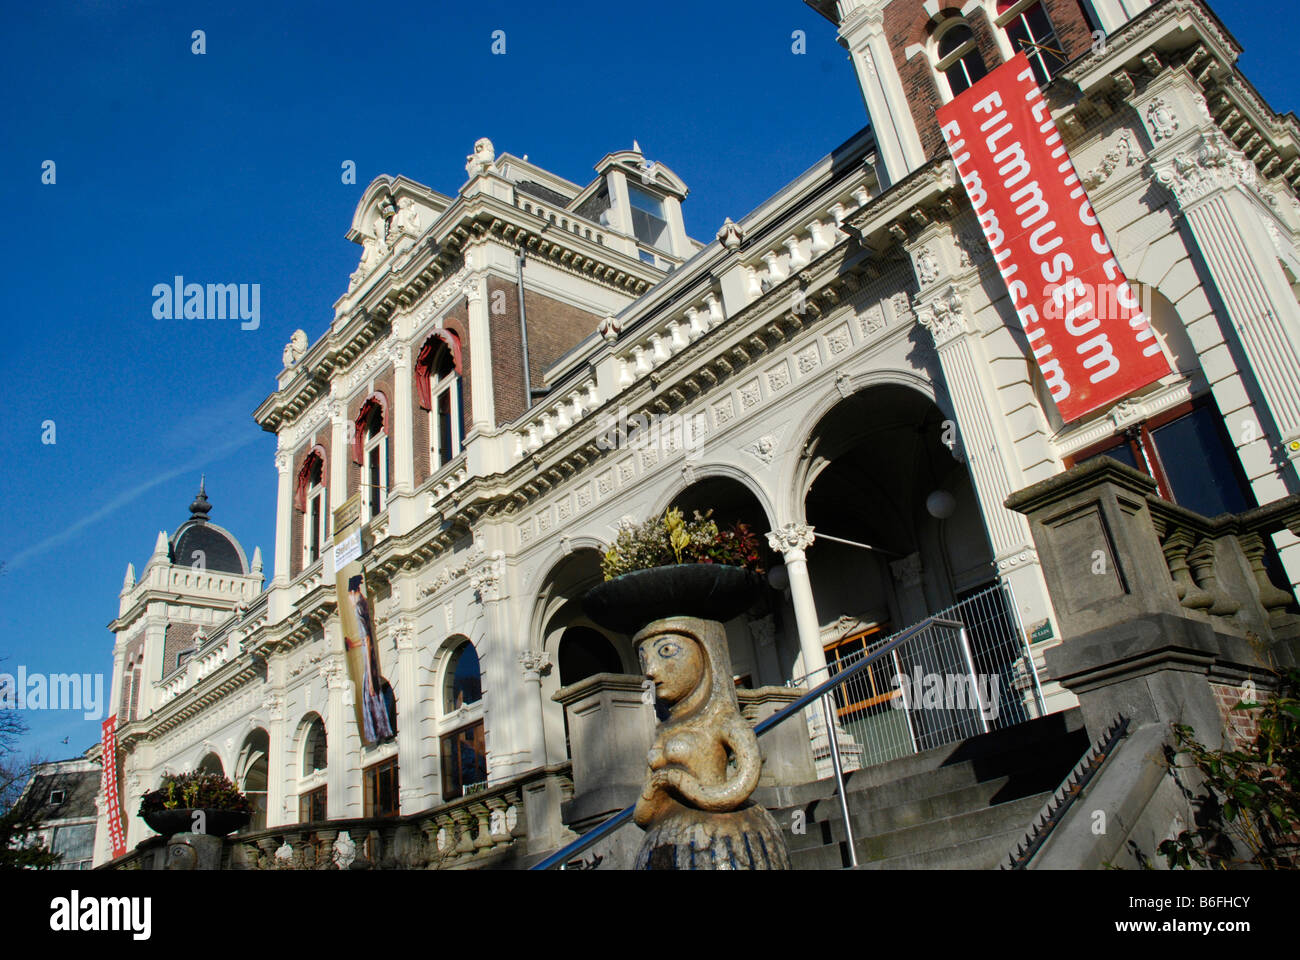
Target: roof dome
[{"x": 198, "y": 539}]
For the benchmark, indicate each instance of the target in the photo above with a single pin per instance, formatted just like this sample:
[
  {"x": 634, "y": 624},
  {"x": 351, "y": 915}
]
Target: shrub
[
  {"x": 188, "y": 791},
  {"x": 670, "y": 539}
]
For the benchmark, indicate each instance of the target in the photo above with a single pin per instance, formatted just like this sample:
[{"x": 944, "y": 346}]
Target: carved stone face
[{"x": 674, "y": 663}]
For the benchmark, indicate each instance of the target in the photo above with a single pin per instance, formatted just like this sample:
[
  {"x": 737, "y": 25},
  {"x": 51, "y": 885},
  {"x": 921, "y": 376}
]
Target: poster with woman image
[{"x": 372, "y": 695}]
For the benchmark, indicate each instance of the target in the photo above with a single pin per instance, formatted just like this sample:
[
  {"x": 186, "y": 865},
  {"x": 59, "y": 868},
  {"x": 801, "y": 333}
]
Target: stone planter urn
[
  {"x": 695, "y": 806},
  {"x": 216, "y": 823}
]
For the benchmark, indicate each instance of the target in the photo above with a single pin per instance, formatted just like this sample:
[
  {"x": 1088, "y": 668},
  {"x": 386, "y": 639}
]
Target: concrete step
[
  {"x": 927, "y": 840},
  {"x": 984, "y": 853},
  {"x": 963, "y": 763}
]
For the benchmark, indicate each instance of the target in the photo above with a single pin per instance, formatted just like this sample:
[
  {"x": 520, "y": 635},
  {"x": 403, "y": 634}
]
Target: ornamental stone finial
[
  {"x": 295, "y": 349},
  {"x": 730, "y": 235},
  {"x": 610, "y": 328}
]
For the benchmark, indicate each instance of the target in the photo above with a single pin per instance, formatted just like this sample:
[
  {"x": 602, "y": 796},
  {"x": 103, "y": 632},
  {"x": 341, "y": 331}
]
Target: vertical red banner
[
  {"x": 108, "y": 784},
  {"x": 1087, "y": 331}
]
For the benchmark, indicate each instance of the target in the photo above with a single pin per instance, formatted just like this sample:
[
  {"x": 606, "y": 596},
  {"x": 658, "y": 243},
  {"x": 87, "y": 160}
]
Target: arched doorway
[
  {"x": 578, "y": 648},
  {"x": 763, "y": 642},
  {"x": 211, "y": 763},
  {"x": 584, "y": 652},
  {"x": 900, "y": 536},
  {"x": 251, "y": 772}
]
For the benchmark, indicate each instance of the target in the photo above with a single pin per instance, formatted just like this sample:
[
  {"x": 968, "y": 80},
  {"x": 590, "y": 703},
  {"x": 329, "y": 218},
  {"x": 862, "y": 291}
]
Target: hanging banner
[
  {"x": 108, "y": 786},
  {"x": 1089, "y": 336},
  {"x": 372, "y": 696}
]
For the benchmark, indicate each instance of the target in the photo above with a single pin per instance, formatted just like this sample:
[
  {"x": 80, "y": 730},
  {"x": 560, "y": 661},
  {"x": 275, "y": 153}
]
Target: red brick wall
[
  {"x": 1240, "y": 726},
  {"x": 130, "y": 670},
  {"x": 906, "y": 23},
  {"x": 176, "y": 638},
  {"x": 554, "y": 328}
]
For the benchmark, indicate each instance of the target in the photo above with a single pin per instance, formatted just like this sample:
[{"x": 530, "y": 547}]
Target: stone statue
[
  {"x": 193, "y": 851},
  {"x": 344, "y": 853},
  {"x": 483, "y": 159},
  {"x": 695, "y": 806},
  {"x": 296, "y": 348}
]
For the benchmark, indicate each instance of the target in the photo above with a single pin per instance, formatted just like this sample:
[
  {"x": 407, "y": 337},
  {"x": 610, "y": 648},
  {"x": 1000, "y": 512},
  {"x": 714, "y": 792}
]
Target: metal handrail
[{"x": 812, "y": 696}]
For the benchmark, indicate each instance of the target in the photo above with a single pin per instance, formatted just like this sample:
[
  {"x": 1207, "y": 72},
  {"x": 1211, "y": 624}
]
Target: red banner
[
  {"x": 1089, "y": 336},
  {"x": 108, "y": 786}
]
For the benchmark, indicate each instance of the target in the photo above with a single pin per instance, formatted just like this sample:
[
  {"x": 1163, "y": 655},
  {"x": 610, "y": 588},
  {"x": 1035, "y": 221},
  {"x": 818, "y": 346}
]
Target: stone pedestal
[
  {"x": 786, "y": 749},
  {"x": 611, "y": 727}
]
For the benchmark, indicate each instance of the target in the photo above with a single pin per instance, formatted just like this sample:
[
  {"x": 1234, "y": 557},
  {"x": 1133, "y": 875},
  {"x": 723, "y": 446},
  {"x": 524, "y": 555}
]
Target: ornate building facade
[{"x": 517, "y": 369}]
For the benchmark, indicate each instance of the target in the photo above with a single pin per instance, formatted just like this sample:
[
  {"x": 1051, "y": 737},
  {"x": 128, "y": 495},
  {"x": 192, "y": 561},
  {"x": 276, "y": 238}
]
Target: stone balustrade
[
  {"x": 1163, "y": 613},
  {"x": 474, "y": 831},
  {"x": 552, "y": 417}
]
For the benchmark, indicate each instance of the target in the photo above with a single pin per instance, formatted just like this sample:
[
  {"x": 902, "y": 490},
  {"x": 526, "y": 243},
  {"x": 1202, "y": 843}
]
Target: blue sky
[{"x": 225, "y": 168}]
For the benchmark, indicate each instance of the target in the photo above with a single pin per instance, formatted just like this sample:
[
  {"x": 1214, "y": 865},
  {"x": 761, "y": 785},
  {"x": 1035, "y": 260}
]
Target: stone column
[
  {"x": 1222, "y": 199},
  {"x": 337, "y": 717},
  {"x": 283, "y": 516},
  {"x": 994, "y": 466},
  {"x": 340, "y": 456},
  {"x": 275, "y": 761},
  {"x": 414, "y": 790},
  {"x": 403, "y": 419},
  {"x": 863, "y": 33},
  {"x": 535, "y": 663},
  {"x": 483, "y": 403},
  {"x": 791, "y": 541}
]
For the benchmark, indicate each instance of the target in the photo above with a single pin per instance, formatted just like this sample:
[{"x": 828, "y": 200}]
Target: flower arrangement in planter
[
  {"x": 670, "y": 539},
  {"x": 671, "y": 566},
  {"x": 170, "y": 809}
]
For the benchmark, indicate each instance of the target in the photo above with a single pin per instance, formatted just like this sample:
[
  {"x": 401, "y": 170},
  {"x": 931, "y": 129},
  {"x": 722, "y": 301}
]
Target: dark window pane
[
  {"x": 1121, "y": 452},
  {"x": 1201, "y": 465},
  {"x": 444, "y": 428},
  {"x": 953, "y": 39},
  {"x": 466, "y": 684}
]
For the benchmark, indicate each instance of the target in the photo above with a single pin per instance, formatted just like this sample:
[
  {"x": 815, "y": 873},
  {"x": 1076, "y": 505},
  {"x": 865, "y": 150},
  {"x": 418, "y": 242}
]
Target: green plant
[
  {"x": 670, "y": 539},
  {"x": 1253, "y": 797},
  {"x": 192, "y": 791}
]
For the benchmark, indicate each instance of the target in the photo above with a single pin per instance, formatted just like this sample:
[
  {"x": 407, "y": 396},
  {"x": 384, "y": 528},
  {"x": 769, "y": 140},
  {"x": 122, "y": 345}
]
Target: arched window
[
  {"x": 438, "y": 384},
  {"x": 464, "y": 684},
  {"x": 311, "y": 499},
  {"x": 370, "y": 449},
  {"x": 1030, "y": 31},
  {"x": 958, "y": 58},
  {"x": 315, "y": 751},
  {"x": 251, "y": 775},
  {"x": 312, "y": 790}
]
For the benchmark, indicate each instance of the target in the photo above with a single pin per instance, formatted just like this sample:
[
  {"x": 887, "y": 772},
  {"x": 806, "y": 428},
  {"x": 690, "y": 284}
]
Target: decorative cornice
[{"x": 1209, "y": 166}]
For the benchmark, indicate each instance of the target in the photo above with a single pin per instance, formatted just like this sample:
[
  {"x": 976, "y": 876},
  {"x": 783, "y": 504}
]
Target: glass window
[
  {"x": 960, "y": 59},
  {"x": 75, "y": 844},
  {"x": 1200, "y": 464},
  {"x": 315, "y": 751},
  {"x": 464, "y": 760},
  {"x": 1030, "y": 31},
  {"x": 313, "y": 806},
  {"x": 648, "y": 223},
  {"x": 380, "y": 789},
  {"x": 464, "y": 678}
]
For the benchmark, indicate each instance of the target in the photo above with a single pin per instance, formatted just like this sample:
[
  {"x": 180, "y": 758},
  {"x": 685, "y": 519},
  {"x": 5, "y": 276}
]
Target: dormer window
[
  {"x": 1030, "y": 31},
  {"x": 958, "y": 58},
  {"x": 649, "y": 225}
]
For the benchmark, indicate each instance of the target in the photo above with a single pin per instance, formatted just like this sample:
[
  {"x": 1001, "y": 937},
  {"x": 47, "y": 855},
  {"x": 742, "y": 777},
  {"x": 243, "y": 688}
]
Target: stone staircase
[{"x": 961, "y": 806}]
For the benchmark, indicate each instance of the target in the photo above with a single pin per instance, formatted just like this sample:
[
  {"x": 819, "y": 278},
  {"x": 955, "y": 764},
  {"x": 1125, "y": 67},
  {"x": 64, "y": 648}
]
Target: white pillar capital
[{"x": 791, "y": 540}]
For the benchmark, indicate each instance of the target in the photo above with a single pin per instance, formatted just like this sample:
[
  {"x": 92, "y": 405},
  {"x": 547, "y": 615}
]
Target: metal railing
[
  {"x": 984, "y": 641},
  {"x": 969, "y": 672}
]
